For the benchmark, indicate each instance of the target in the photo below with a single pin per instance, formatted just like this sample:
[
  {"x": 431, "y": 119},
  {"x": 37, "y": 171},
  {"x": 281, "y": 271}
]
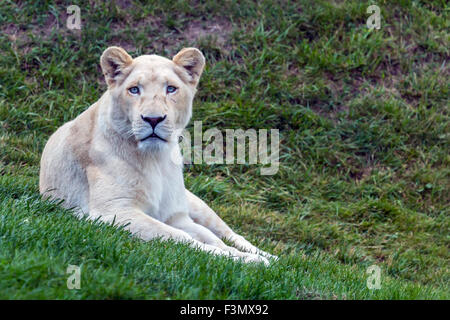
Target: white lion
[{"x": 114, "y": 161}]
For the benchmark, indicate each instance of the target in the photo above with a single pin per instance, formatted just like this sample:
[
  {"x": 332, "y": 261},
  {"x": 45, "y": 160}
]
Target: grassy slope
[{"x": 363, "y": 117}]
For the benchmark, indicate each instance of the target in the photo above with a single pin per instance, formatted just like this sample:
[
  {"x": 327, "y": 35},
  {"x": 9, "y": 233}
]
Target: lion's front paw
[
  {"x": 246, "y": 246},
  {"x": 268, "y": 255},
  {"x": 259, "y": 252},
  {"x": 255, "y": 258}
]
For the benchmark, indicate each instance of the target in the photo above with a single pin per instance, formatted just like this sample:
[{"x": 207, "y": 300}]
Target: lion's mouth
[{"x": 154, "y": 136}]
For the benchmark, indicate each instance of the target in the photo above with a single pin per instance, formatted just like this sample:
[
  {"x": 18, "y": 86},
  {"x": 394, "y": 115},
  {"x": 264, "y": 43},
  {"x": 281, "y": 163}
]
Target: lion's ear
[
  {"x": 193, "y": 61},
  {"x": 113, "y": 60}
]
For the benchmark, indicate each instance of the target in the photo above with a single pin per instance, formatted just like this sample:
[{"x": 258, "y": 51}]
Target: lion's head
[{"x": 151, "y": 95}]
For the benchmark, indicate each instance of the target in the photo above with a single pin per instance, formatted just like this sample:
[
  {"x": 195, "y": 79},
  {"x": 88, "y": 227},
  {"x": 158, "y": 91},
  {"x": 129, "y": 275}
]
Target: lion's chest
[{"x": 162, "y": 193}]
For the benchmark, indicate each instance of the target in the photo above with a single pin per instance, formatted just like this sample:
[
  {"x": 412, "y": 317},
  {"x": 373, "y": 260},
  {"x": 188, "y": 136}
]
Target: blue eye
[
  {"x": 134, "y": 90},
  {"x": 171, "y": 89}
]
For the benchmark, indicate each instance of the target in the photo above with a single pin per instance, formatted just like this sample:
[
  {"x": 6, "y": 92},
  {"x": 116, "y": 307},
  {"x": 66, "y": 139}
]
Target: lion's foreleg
[
  {"x": 148, "y": 228},
  {"x": 184, "y": 222},
  {"x": 202, "y": 214}
]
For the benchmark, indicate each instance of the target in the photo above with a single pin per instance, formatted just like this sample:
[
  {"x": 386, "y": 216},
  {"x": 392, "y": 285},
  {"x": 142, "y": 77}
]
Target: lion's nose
[{"x": 153, "y": 121}]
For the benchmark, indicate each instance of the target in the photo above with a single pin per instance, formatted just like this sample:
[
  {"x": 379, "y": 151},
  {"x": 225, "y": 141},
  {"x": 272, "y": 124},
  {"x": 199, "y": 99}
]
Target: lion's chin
[{"x": 152, "y": 145}]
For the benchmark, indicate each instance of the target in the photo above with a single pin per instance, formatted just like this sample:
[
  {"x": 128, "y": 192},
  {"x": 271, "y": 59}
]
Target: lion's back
[{"x": 62, "y": 176}]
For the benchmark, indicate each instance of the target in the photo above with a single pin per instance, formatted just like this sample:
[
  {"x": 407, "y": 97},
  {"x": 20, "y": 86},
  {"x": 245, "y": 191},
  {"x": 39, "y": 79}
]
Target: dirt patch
[
  {"x": 21, "y": 36},
  {"x": 219, "y": 30},
  {"x": 335, "y": 88},
  {"x": 165, "y": 34},
  {"x": 123, "y": 4},
  {"x": 205, "y": 35},
  {"x": 15, "y": 33},
  {"x": 215, "y": 33}
]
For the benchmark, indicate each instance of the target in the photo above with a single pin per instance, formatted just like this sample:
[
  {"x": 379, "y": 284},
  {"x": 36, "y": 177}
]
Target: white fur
[{"x": 98, "y": 164}]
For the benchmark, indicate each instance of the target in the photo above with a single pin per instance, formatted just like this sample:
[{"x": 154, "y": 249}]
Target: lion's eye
[
  {"x": 171, "y": 89},
  {"x": 134, "y": 90}
]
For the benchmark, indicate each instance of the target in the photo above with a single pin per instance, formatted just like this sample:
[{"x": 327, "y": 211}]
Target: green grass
[{"x": 364, "y": 127}]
